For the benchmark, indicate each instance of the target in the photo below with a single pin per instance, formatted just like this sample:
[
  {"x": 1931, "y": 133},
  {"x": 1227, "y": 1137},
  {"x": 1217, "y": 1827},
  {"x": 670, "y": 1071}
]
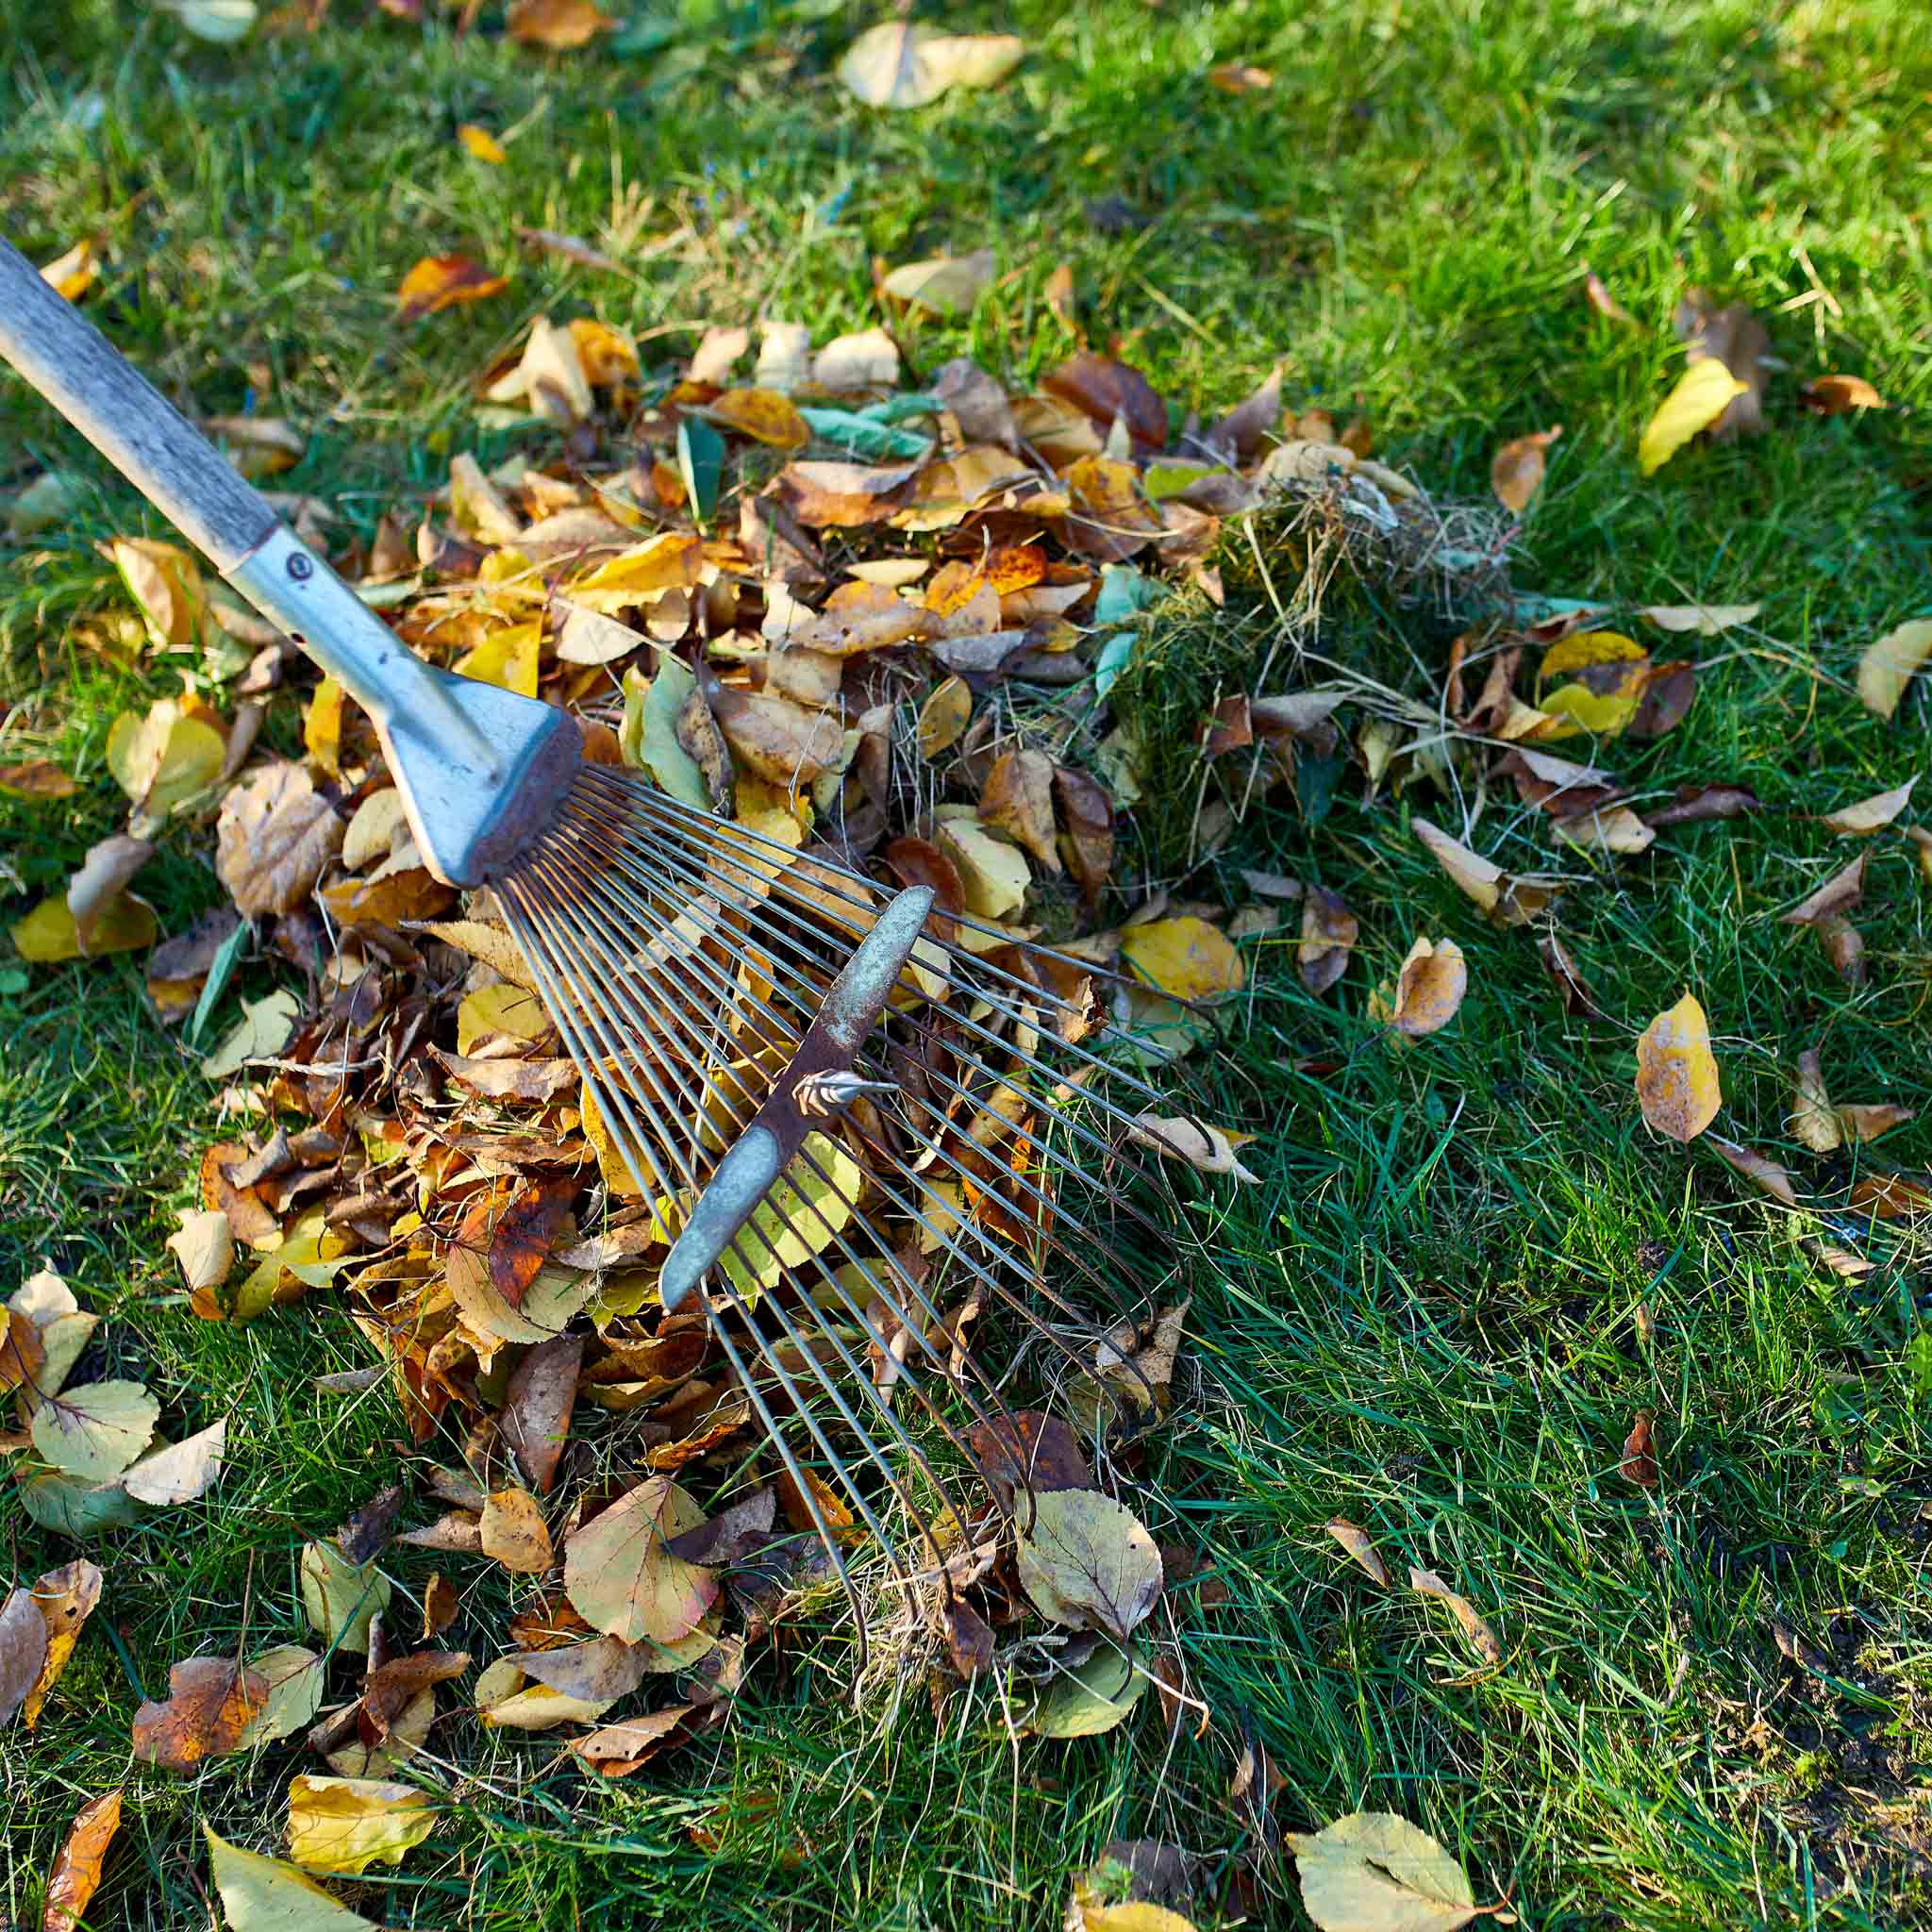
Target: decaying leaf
[
  {"x": 1833, "y": 899},
  {"x": 1677, "y": 1082},
  {"x": 1085, "y": 1561},
  {"x": 514, "y": 1533},
  {"x": 76, "y": 1872},
  {"x": 1838, "y": 396},
  {"x": 1639, "y": 1464},
  {"x": 1761, "y": 1172},
  {"x": 210, "y": 1703},
  {"x": 1329, "y": 931},
  {"x": 1374, "y": 1872},
  {"x": 1208, "y": 1148},
  {"x": 1356, "y": 1541},
  {"x": 1509, "y": 900},
  {"x": 1516, "y": 473},
  {"x": 1886, "y": 666},
  {"x": 1430, "y": 989},
  {"x": 1474, "y": 1626}
]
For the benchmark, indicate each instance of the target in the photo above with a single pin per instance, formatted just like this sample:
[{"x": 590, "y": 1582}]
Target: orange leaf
[
  {"x": 210, "y": 1702},
  {"x": 763, "y": 415},
  {"x": 557, "y": 25},
  {"x": 440, "y": 281},
  {"x": 77, "y": 1864}
]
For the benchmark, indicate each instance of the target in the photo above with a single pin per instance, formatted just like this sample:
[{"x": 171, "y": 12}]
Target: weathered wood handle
[{"x": 169, "y": 461}]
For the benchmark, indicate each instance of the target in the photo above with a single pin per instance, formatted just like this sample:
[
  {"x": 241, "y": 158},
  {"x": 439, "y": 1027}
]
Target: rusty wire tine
[
  {"x": 1003, "y": 1292},
  {"x": 597, "y": 895},
  {"x": 590, "y": 943}
]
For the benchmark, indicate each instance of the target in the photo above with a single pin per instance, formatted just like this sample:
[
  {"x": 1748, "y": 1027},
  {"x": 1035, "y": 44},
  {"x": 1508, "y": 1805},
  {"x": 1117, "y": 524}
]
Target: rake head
[{"x": 856, "y": 1121}]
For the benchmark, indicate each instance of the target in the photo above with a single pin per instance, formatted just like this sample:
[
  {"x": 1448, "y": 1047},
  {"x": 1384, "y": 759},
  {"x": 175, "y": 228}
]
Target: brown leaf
[
  {"x": 438, "y": 1606},
  {"x": 1090, "y": 838},
  {"x": 38, "y": 778},
  {"x": 1017, "y": 799},
  {"x": 535, "y": 1419},
  {"x": 522, "y": 1233},
  {"x": 1356, "y": 1541},
  {"x": 440, "y": 281},
  {"x": 1893, "y": 1197},
  {"x": 1844, "y": 946},
  {"x": 1329, "y": 931},
  {"x": 556, "y": 24},
  {"x": 1668, "y": 692},
  {"x": 1761, "y": 1172},
  {"x": 1638, "y": 1465},
  {"x": 23, "y": 1352},
  {"x": 368, "y": 1530},
  {"x": 1695, "y": 804},
  {"x": 1516, "y": 473},
  {"x": 968, "y": 1637},
  {"x": 275, "y": 835},
  {"x": 1865, "y": 1121},
  {"x": 920, "y": 862},
  {"x": 1474, "y": 1626},
  {"x": 1605, "y": 304},
  {"x": 1838, "y": 396},
  {"x": 210, "y": 1702},
  {"x": 976, "y": 401},
  {"x": 395, "y": 898},
  {"x": 1105, "y": 390},
  {"x": 1813, "y": 1121},
  {"x": 616, "y": 1749},
  {"x": 776, "y": 739},
  {"x": 1577, "y": 999},
  {"x": 23, "y": 1647},
  {"x": 1028, "y": 1450},
  {"x": 76, "y": 1872},
  {"x": 1849, "y": 821},
  {"x": 1736, "y": 338},
  {"x": 1241, "y": 433},
  {"x": 1835, "y": 897}
]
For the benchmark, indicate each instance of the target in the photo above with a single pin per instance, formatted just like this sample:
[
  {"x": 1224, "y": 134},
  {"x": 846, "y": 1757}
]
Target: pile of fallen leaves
[{"x": 876, "y": 621}]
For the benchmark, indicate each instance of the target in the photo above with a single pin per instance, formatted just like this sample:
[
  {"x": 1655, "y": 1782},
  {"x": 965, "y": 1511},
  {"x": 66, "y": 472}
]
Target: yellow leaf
[
  {"x": 347, "y": 1823},
  {"x": 623, "y": 1579},
  {"x": 322, "y": 726},
  {"x": 943, "y": 716},
  {"x": 264, "y": 1896},
  {"x": 505, "y": 1007},
  {"x": 1677, "y": 1073},
  {"x": 482, "y": 144},
  {"x": 72, "y": 274},
  {"x": 514, "y": 1532},
  {"x": 48, "y": 934},
  {"x": 995, "y": 875},
  {"x": 164, "y": 758},
  {"x": 1430, "y": 988},
  {"x": 508, "y": 657},
  {"x": 440, "y": 281},
  {"x": 1703, "y": 393},
  {"x": 1602, "y": 696},
  {"x": 165, "y": 581},
  {"x": 1887, "y": 667},
  {"x": 1187, "y": 959},
  {"x": 556, "y": 24},
  {"x": 807, "y": 1206},
  {"x": 763, "y": 415}
]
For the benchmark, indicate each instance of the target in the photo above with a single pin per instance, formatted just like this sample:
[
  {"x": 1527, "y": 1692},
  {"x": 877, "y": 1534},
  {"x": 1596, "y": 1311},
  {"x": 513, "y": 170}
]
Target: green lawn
[{"x": 1468, "y": 1263}]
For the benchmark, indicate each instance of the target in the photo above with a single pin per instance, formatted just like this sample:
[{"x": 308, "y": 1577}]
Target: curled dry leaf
[
  {"x": 1596, "y": 292},
  {"x": 1677, "y": 1083},
  {"x": 537, "y": 1406},
  {"x": 1475, "y": 1628},
  {"x": 76, "y": 1872},
  {"x": 1329, "y": 931},
  {"x": 275, "y": 835},
  {"x": 1516, "y": 473},
  {"x": 1572, "y": 986},
  {"x": 1017, "y": 799},
  {"x": 1886, "y": 666},
  {"x": 1356, "y": 1541},
  {"x": 1374, "y": 1872},
  {"x": 1813, "y": 1120},
  {"x": 440, "y": 281},
  {"x": 1430, "y": 989},
  {"x": 1865, "y": 1121},
  {"x": 1871, "y": 814},
  {"x": 1086, "y": 1562},
  {"x": 1208, "y": 1148},
  {"x": 1761, "y": 1172},
  {"x": 348, "y": 1824},
  {"x": 1695, "y": 804},
  {"x": 1509, "y": 900},
  {"x": 1639, "y": 1464},
  {"x": 1833, "y": 899},
  {"x": 210, "y": 1703},
  {"x": 1838, "y": 396}
]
